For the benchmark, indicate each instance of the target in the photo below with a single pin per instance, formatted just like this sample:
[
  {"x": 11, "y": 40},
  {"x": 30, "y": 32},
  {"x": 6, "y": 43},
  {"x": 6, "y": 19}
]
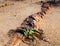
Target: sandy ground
[{"x": 12, "y": 16}]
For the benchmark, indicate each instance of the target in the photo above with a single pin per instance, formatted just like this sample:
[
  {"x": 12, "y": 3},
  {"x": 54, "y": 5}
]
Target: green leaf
[
  {"x": 26, "y": 33},
  {"x": 31, "y": 32},
  {"x": 35, "y": 31}
]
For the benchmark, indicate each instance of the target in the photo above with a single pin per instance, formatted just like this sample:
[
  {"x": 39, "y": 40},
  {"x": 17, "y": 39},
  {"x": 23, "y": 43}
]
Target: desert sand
[{"x": 12, "y": 15}]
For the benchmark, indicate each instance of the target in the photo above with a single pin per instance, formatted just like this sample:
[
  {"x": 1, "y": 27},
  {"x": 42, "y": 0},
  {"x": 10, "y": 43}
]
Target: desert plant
[{"x": 29, "y": 33}]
